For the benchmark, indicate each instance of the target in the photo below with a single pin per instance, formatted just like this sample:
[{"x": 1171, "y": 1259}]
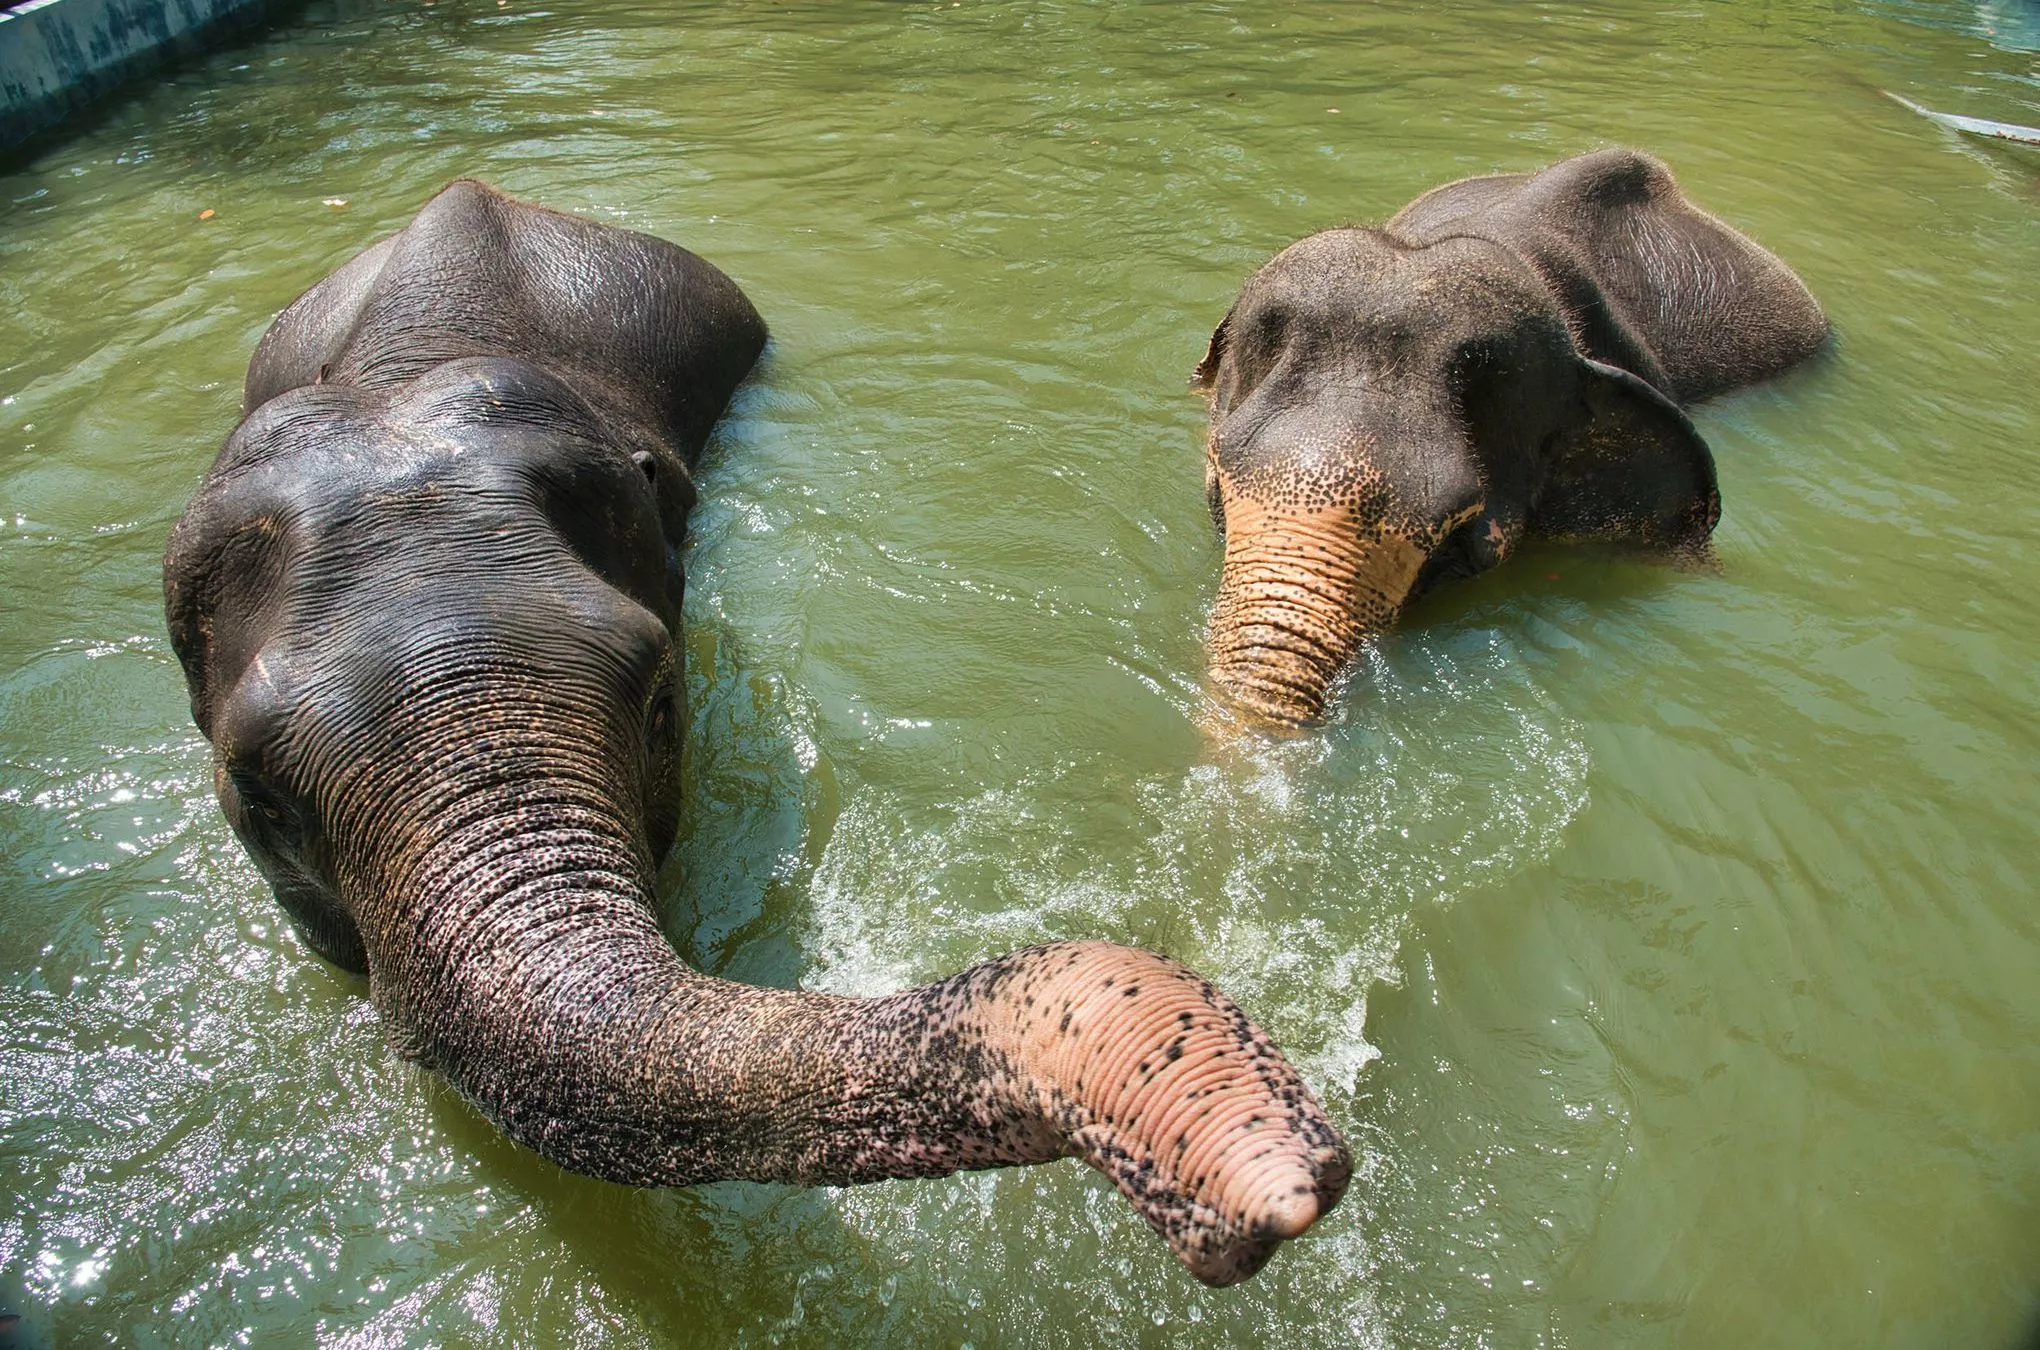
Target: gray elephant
[
  {"x": 1505, "y": 359},
  {"x": 425, "y": 602}
]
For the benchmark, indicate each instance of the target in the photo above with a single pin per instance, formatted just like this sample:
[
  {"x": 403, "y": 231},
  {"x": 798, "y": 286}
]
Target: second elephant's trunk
[
  {"x": 1301, "y": 588},
  {"x": 518, "y": 955}
]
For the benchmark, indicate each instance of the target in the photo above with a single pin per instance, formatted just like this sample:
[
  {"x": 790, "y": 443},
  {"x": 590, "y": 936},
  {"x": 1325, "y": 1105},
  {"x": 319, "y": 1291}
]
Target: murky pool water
[{"x": 1667, "y": 944}]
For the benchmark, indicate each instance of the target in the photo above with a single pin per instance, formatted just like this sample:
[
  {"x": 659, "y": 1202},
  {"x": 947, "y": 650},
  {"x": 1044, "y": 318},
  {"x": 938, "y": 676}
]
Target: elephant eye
[
  {"x": 258, "y": 800},
  {"x": 1272, "y": 328},
  {"x": 659, "y": 715}
]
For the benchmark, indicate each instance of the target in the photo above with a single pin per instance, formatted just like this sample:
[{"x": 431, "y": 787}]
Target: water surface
[{"x": 1665, "y": 943}]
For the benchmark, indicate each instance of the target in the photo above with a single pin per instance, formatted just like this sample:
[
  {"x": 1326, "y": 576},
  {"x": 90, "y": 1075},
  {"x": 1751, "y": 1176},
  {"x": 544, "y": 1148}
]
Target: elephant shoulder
[
  {"x": 659, "y": 333},
  {"x": 1448, "y": 209},
  {"x": 308, "y": 336},
  {"x": 1567, "y": 197},
  {"x": 658, "y": 330},
  {"x": 660, "y": 323},
  {"x": 1714, "y": 309},
  {"x": 1598, "y": 182}
]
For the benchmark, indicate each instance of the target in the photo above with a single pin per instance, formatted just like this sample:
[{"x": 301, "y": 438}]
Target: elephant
[
  {"x": 425, "y": 602},
  {"x": 1507, "y": 359}
]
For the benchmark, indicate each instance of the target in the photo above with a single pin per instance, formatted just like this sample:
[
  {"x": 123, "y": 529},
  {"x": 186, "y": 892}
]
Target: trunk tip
[
  {"x": 1284, "y": 1201},
  {"x": 1166, "y": 1087},
  {"x": 1243, "y": 701}
]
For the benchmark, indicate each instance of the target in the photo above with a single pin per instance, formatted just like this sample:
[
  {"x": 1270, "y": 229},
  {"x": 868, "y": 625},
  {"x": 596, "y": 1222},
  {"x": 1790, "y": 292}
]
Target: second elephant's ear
[
  {"x": 1631, "y": 469},
  {"x": 1205, "y": 377}
]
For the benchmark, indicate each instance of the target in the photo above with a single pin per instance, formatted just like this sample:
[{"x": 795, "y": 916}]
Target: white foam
[{"x": 1290, "y": 873}]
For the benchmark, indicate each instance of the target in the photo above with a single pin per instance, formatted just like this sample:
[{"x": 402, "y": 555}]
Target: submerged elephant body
[
  {"x": 1505, "y": 359},
  {"x": 425, "y": 603}
]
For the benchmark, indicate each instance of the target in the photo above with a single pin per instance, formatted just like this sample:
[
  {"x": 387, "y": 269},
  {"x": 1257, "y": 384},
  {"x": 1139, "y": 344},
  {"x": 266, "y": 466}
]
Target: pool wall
[{"x": 59, "y": 56}]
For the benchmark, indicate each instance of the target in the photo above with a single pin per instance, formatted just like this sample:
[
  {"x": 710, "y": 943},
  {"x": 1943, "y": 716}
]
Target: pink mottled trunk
[{"x": 1300, "y": 591}]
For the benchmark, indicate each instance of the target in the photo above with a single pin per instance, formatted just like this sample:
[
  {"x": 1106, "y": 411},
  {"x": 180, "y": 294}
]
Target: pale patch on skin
[{"x": 1302, "y": 587}]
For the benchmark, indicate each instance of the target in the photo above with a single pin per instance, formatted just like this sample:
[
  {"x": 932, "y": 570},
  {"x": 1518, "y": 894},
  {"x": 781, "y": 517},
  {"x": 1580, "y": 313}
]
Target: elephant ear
[
  {"x": 1205, "y": 377},
  {"x": 1630, "y": 469}
]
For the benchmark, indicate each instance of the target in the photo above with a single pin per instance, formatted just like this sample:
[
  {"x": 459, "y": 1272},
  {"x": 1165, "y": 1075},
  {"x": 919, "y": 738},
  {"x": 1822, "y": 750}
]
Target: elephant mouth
[{"x": 1302, "y": 588}]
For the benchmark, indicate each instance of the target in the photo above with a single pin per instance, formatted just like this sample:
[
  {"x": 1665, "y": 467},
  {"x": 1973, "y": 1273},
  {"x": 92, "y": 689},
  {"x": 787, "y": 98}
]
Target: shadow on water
[
  {"x": 758, "y": 795},
  {"x": 744, "y": 1244},
  {"x": 23, "y": 1326}
]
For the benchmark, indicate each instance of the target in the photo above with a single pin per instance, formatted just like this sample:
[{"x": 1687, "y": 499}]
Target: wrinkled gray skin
[
  {"x": 1505, "y": 359},
  {"x": 425, "y": 602}
]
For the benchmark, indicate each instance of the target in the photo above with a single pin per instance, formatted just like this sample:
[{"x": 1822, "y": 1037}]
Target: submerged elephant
[
  {"x": 425, "y": 602},
  {"x": 1504, "y": 360}
]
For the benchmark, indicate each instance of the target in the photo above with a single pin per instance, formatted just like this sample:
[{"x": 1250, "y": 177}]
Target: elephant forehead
[
  {"x": 1372, "y": 287},
  {"x": 1313, "y": 438},
  {"x": 456, "y": 462},
  {"x": 470, "y": 412},
  {"x": 1314, "y": 459},
  {"x": 494, "y": 390},
  {"x": 1286, "y": 433}
]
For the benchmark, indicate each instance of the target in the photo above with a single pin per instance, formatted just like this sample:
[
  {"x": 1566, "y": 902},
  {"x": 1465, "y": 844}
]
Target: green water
[{"x": 1666, "y": 944}]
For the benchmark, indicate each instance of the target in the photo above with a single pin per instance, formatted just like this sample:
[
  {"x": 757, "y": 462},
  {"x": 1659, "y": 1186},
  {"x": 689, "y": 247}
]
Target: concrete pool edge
[{"x": 59, "y": 57}]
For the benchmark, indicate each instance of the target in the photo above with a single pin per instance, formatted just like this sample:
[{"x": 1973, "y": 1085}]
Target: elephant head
[
  {"x": 425, "y": 608},
  {"x": 1388, "y": 415},
  {"x": 1393, "y": 408}
]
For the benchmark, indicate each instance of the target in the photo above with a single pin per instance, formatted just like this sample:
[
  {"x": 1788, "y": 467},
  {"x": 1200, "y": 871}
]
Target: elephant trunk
[
  {"x": 1301, "y": 588},
  {"x": 515, "y": 950}
]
